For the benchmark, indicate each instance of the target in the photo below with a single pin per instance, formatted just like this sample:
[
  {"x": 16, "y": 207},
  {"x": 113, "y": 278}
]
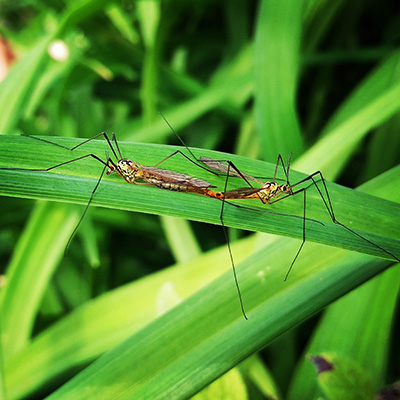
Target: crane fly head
[
  {"x": 272, "y": 190},
  {"x": 124, "y": 167},
  {"x": 285, "y": 189}
]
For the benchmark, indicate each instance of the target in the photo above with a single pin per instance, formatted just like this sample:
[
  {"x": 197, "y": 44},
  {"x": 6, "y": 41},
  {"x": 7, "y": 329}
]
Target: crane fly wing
[
  {"x": 166, "y": 175},
  {"x": 241, "y": 192},
  {"x": 225, "y": 168}
]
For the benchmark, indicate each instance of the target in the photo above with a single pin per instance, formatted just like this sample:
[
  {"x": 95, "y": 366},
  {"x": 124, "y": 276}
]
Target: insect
[
  {"x": 271, "y": 192},
  {"x": 132, "y": 172}
]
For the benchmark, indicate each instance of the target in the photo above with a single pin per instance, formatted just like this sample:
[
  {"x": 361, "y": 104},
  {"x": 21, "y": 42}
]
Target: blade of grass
[
  {"x": 181, "y": 115},
  {"x": 363, "y": 318},
  {"x": 181, "y": 238},
  {"x": 321, "y": 276},
  {"x": 261, "y": 377},
  {"x": 207, "y": 332},
  {"x": 358, "y": 325},
  {"x": 352, "y": 207},
  {"x": 351, "y": 128},
  {"x": 276, "y": 63},
  {"x": 104, "y": 322},
  {"x": 229, "y": 386},
  {"x": 36, "y": 256},
  {"x": 16, "y": 88}
]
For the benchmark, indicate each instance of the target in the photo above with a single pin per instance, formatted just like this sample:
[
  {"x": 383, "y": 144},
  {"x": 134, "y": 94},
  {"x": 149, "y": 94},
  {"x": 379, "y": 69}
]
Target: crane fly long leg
[
  {"x": 85, "y": 210},
  {"x": 328, "y": 205},
  {"x": 187, "y": 158},
  {"x": 266, "y": 193},
  {"x": 271, "y": 192},
  {"x": 80, "y": 144},
  {"x": 228, "y": 168},
  {"x": 130, "y": 171}
]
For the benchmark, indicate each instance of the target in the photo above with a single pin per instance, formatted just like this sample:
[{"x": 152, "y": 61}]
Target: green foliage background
[{"x": 144, "y": 306}]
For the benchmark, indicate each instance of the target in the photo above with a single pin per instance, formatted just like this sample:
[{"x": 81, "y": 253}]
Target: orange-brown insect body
[
  {"x": 269, "y": 190},
  {"x": 162, "y": 178}
]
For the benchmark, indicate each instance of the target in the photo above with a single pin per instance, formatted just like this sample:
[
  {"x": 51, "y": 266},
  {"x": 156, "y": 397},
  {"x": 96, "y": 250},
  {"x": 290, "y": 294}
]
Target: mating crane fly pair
[{"x": 268, "y": 193}]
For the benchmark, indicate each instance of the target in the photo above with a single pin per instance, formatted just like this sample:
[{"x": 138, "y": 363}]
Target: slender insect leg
[
  {"x": 86, "y": 208},
  {"x": 285, "y": 169},
  {"x": 304, "y": 235},
  {"x": 76, "y": 159},
  {"x": 200, "y": 161},
  {"x": 106, "y": 165},
  {"x": 328, "y": 205},
  {"x": 221, "y": 217},
  {"x": 303, "y": 190},
  {"x": 228, "y": 170},
  {"x": 221, "y": 166},
  {"x": 80, "y": 144},
  {"x": 60, "y": 165},
  {"x": 197, "y": 162}
]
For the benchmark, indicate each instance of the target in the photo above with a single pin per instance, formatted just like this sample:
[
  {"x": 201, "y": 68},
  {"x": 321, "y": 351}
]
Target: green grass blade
[
  {"x": 276, "y": 63},
  {"x": 101, "y": 324},
  {"x": 16, "y": 87},
  {"x": 351, "y": 207},
  {"x": 356, "y": 326},
  {"x": 363, "y": 318},
  {"x": 343, "y": 138},
  {"x": 321, "y": 275},
  {"x": 181, "y": 239},
  {"x": 36, "y": 256},
  {"x": 190, "y": 110},
  {"x": 207, "y": 331}
]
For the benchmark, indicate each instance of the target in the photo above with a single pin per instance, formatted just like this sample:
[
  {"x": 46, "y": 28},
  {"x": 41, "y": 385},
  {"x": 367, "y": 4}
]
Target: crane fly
[
  {"x": 132, "y": 172},
  {"x": 270, "y": 192}
]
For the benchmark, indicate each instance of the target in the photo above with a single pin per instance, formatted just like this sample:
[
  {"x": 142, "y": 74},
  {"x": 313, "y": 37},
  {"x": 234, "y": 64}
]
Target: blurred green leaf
[
  {"x": 16, "y": 87},
  {"x": 358, "y": 326},
  {"x": 375, "y": 100},
  {"x": 342, "y": 378},
  {"x": 36, "y": 256},
  {"x": 287, "y": 63},
  {"x": 276, "y": 63}
]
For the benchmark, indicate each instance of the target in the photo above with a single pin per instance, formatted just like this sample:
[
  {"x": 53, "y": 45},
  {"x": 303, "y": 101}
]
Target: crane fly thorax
[
  {"x": 125, "y": 168},
  {"x": 272, "y": 190}
]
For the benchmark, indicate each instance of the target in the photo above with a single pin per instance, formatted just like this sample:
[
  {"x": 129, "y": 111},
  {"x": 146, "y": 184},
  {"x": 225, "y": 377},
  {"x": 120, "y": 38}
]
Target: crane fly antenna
[
  {"x": 179, "y": 138},
  {"x": 114, "y": 138}
]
